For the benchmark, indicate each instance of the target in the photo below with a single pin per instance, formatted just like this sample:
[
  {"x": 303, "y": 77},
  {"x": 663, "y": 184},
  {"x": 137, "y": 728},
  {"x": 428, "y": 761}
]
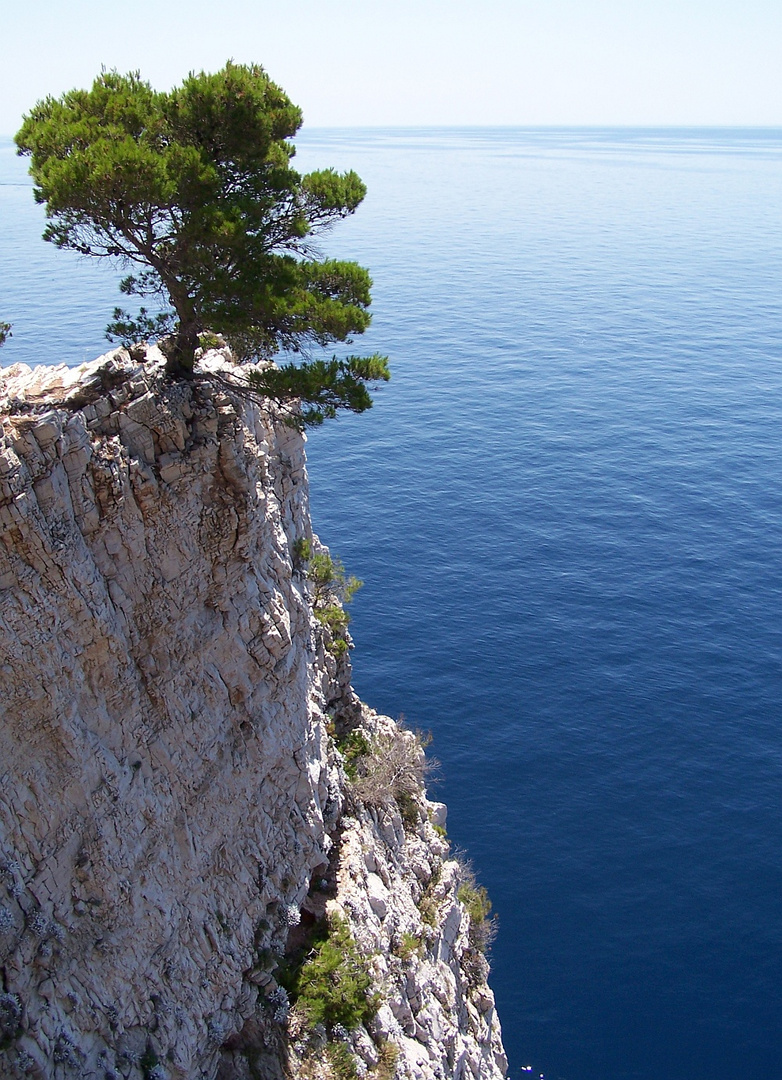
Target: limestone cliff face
[{"x": 175, "y": 814}]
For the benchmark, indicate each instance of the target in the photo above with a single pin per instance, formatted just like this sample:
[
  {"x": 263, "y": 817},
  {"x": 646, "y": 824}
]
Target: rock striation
[{"x": 190, "y": 790}]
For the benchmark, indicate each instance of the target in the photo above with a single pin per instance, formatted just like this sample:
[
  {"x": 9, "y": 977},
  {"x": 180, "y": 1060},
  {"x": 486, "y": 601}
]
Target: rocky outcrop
[{"x": 189, "y": 790}]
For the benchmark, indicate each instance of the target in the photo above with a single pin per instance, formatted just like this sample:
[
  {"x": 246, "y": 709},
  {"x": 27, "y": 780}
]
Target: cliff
[{"x": 210, "y": 850}]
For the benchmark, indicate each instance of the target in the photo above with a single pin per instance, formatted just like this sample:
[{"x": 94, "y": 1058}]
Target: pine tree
[{"x": 194, "y": 191}]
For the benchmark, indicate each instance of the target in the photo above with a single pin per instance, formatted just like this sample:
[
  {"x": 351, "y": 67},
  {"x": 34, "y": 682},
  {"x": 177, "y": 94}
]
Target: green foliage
[
  {"x": 302, "y": 551},
  {"x": 208, "y": 340},
  {"x": 193, "y": 190},
  {"x": 331, "y": 589},
  {"x": 475, "y": 898},
  {"x": 410, "y": 945},
  {"x": 328, "y": 577},
  {"x": 5, "y": 332},
  {"x": 334, "y": 618},
  {"x": 409, "y": 810},
  {"x": 342, "y": 1061},
  {"x": 353, "y": 746},
  {"x": 322, "y": 572},
  {"x": 333, "y": 985},
  {"x": 322, "y": 386},
  {"x": 148, "y": 1062},
  {"x": 428, "y": 905},
  {"x": 339, "y": 647},
  {"x": 388, "y": 1056},
  {"x": 144, "y": 327}
]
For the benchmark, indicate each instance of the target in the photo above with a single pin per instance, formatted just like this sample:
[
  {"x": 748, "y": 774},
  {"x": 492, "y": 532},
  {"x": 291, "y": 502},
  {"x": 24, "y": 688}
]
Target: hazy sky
[{"x": 405, "y": 62}]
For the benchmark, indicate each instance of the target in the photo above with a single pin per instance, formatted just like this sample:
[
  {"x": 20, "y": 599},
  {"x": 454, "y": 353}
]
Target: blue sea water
[{"x": 567, "y": 508}]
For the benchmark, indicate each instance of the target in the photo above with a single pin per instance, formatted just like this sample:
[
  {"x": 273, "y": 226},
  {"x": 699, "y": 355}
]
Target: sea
[{"x": 566, "y": 508}]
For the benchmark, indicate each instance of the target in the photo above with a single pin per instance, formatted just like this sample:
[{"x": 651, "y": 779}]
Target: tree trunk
[{"x": 180, "y": 351}]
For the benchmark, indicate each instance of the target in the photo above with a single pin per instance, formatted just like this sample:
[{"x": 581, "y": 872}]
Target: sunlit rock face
[{"x": 174, "y": 810}]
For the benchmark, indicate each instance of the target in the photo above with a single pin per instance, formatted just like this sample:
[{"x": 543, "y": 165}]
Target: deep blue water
[{"x": 567, "y": 508}]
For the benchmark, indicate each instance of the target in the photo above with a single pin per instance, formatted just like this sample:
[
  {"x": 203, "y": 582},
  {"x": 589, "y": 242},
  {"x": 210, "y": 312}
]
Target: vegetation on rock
[
  {"x": 193, "y": 191},
  {"x": 333, "y": 985},
  {"x": 323, "y": 386},
  {"x": 409, "y": 945},
  {"x": 353, "y": 746},
  {"x": 394, "y": 770},
  {"x": 332, "y": 589},
  {"x": 475, "y": 898}
]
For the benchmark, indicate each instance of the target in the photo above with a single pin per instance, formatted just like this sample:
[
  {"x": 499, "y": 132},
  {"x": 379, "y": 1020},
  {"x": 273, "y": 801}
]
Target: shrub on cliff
[
  {"x": 333, "y": 986},
  {"x": 394, "y": 770},
  {"x": 194, "y": 191},
  {"x": 475, "y": 898},
  {"x": 332, "y": 589}
]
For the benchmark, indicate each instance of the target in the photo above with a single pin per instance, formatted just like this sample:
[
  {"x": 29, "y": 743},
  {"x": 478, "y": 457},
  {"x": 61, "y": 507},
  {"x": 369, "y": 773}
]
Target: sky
[{"x": 424, "y": 62}]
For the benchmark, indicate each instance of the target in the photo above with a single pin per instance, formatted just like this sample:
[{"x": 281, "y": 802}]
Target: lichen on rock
[{"x": 176, "y": 817}]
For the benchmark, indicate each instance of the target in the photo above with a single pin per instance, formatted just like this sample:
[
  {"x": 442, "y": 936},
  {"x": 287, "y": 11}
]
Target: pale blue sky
[{"x": 403, "y": 62}]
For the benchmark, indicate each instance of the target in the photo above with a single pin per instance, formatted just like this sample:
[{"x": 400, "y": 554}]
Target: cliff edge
[{"x": 214, "y": 860}]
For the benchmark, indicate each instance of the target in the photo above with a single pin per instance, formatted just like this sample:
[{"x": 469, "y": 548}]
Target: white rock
[
  {"x": 167, "y": 797},
  {"x": 378, "y": 895}
]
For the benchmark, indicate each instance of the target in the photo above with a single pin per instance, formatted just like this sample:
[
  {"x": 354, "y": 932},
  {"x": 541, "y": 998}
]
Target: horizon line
[{"x": 527, "y": 127}]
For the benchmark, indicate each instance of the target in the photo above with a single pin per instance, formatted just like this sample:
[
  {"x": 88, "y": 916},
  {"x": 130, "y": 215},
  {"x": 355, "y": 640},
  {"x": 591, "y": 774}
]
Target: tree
[
  {"x": 194, "y": 192},
  {"x": 5, "y": 332}
]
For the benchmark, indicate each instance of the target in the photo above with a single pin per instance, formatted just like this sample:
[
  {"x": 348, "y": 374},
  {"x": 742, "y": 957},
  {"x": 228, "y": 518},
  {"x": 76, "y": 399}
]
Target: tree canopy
[{"x": 193, "y": 190}]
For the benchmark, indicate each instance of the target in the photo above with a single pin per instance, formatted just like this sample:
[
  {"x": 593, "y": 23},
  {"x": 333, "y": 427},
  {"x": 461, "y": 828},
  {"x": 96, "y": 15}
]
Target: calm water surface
[{"x": 567, "y": 508}]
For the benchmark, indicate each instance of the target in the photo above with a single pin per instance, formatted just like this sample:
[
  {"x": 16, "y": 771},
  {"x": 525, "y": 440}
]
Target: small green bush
[
  {"x": 483, "y": 928},
  {"x": 388, "y": 1056},
  {"x": 148, "y": 1064},
  {"x": 302, "y": 550},
  {"x": 333, "y": 985},
  {"x": 342, "y": 1060},
  {"x": 353, "y": 746},
  {"x": 409, "y": 810},
  {"x": 428, "y": 907},
  {"x": 207, "y": 340},
  {"x": 332, "y": 589},
  {"x": 334, "y": 618},
  {"x": 328, "y": 577},
  {"x": 476, "y": 900},
  {"x": 409, "y": 946}
]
